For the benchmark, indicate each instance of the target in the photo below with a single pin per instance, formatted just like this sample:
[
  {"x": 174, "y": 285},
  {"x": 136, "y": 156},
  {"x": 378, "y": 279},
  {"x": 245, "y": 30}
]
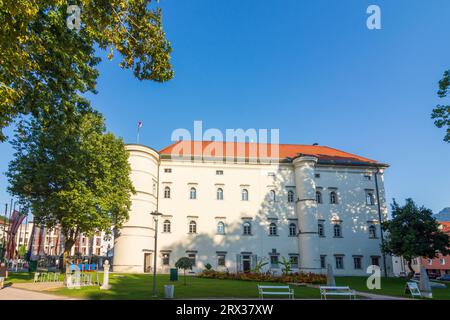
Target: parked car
[
  {"x": 444, "y": 277},
  {"x": 433, "y": 275}
]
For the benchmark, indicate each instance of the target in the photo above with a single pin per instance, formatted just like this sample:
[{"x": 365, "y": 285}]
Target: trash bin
[
  {"x": 169, "y": 290},
  {"x": 32, "y": 266},
  {"x": 173, "y": 274}
]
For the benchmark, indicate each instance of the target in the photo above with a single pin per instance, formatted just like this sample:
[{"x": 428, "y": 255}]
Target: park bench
[
  {"x": 275, "y": 290},
  {"x": 336, "y": 291}
]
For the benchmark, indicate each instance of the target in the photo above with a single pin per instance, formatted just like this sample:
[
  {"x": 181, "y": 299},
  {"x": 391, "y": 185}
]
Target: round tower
[
  {"x": 133, "y": 246},
  {"x": 306, "y": 209}
]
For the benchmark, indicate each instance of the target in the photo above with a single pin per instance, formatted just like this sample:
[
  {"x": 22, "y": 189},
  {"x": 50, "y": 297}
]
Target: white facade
[{"x": 278, "y": 201}]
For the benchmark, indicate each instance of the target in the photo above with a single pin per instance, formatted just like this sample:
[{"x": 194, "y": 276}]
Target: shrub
[{"x": 311, "y": 278}]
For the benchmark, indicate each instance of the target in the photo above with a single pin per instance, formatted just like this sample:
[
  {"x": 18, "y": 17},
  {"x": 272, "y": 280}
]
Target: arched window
[
  {"x": 193, "y": 193},
  {"x": 273, "y": 195},
  {"x": 321, "y": 230},
  {"x": 370, "y": 199},
  {"x": 273, "y": 229},
  {"x": 244, "y": 195},
  {"x": 166, "y": 226},
  {"x": 192, "y": 227},
  {"x": 247, "y": 228},
  {"x": 292, "y": 230},
  {"x": 372, "y": 232},
  {"x": 167, "y": 192},
  {"x": 337, "y": 231},
  {"x": 221, "y": 228},
  {"x": 318, "y": 197},
  {"x": 333, "y": 197},
  {"x": 219, "y": 194},
  {"x": 290, "y": 196}
]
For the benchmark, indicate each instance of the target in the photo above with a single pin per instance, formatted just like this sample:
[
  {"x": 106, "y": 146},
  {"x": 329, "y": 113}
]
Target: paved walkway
[{"x": 11, "y": 293}]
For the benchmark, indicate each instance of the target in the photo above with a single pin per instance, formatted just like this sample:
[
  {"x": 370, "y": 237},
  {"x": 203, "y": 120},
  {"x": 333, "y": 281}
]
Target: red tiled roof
[
  {"x": 252, "y": 150},
  {"x": 445, "y": 226}
]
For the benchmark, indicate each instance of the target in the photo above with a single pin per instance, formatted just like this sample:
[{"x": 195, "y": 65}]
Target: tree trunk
[
  {"x": 411, "y": 270},
  {"x": 68, "y": 244},
  {"x": 184, "y": 271}
]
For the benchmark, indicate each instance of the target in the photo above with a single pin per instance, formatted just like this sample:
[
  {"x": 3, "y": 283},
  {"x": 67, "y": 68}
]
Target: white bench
[
  {"x": 336, "y": 291},
  {"x": 275, "y": 290}
]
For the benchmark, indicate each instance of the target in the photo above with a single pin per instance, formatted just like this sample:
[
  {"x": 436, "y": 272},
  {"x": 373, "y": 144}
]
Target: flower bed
[{"x": 312, "y": 278}]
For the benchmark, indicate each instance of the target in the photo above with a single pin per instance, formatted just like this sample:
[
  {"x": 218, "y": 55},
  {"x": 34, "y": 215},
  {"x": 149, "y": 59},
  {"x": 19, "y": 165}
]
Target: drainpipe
[{"x": 380, "y": 219}]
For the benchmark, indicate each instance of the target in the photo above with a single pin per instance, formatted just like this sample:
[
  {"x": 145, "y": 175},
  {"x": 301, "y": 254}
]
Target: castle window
[
  {"x": 167, "y": 192},
  {"x": 357, "y": 263},
  {"x": 370, "y": 200},
  {"x": 323, "y": 262},
  {"x": 292, "y": 230},
  {"x": 247, "y": 228},
  {"x": 168, "y": 170},
  {"x": 333, "y": 197},
  {"x": 375, "y": 260},
  {"x": 221, "y": 260},
  {"x": 192, "y": 227},
  {"x": 290, "y": 196},
  {"x": 219, "y": 172},
  {"x": 321, "y": 230},
  {"x": 337, "y": 231},
  {"x": 191, "y": 256},
  {"x": 166, "y": 226},
  {"x": 318, "y": 197},
  {"x": 219, "y": 194},
  {"x": 221, "y": 228},
  {"x": 294, "y": 261},
  {"x": 339, "y": 262},
  {"x": 166, "y": 259},
  {"x": 244, "y": 195},
  {"x": 372, "y": 232},
  {"x": 272, "y": 229},
  {"x": 193, "y": 193},
  {"x": 273, "y": 195}
]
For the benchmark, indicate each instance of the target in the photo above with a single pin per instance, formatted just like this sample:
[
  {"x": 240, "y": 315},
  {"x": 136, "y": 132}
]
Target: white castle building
[{"x": 234, "y": 204}]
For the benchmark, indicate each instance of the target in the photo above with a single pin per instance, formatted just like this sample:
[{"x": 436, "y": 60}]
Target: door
[{"x": 147, "y": 262}]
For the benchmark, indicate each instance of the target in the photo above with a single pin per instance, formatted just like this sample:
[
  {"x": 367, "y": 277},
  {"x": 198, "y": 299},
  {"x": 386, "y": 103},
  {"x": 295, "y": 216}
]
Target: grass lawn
[
  {"x": 139, "y": 286},
  {"x": 389, "y": 286}
]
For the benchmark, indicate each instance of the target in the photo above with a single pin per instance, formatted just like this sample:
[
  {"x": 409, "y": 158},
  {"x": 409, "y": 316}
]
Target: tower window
[
  {"x": 318, "y": 197},
  {"x": 166, "y": 226},
  {"x": 192, "y": 227},
  {"x": 167, "y": 192},
  {"x": 219, "y": 194},
  {"x": 290, "y": 196},
  {"x": 244, "y": 195},
  {"x": 292, "y": 230},
  {"x": 333, "y": 197},
  {"x": 193, "y": 193}
]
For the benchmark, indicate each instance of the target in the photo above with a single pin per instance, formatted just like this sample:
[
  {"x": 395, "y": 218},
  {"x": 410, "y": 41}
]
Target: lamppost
[{"x": 155, "y": 215}]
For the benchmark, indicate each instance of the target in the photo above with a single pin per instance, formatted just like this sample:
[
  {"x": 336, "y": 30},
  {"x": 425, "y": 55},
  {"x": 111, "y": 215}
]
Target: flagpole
[{"x": 138, "y": 134}]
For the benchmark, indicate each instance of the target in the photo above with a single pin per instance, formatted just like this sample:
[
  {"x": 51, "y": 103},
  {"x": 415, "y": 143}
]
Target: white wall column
[{"x": 306, "y": 210}]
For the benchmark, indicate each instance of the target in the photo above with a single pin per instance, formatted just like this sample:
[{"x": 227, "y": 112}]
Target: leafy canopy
[
  {"x": 71, "y": 173},
  {"x": 413, "y": 232},
  {"x": 441, "y": 113},
  {"x": 43, "y": 63}
]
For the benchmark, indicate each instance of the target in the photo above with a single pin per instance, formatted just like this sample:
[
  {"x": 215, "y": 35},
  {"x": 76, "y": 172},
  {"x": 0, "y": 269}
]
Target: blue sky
[{"x": 311, "y": 69}]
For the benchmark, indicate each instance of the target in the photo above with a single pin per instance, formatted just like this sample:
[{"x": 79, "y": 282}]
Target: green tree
[
  {"x": 22, "y": 251},
  {"x": 71, "y": 173},
  {"x": 441, "y": 113},
  {"x": 43, "y": 63},
  {"x": 184, "y": 263},
  {"x": 413, "y": 232}
]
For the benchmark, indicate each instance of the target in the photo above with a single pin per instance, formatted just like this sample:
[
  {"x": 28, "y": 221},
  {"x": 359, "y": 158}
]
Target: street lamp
[{"x": 155, "y": 215}]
